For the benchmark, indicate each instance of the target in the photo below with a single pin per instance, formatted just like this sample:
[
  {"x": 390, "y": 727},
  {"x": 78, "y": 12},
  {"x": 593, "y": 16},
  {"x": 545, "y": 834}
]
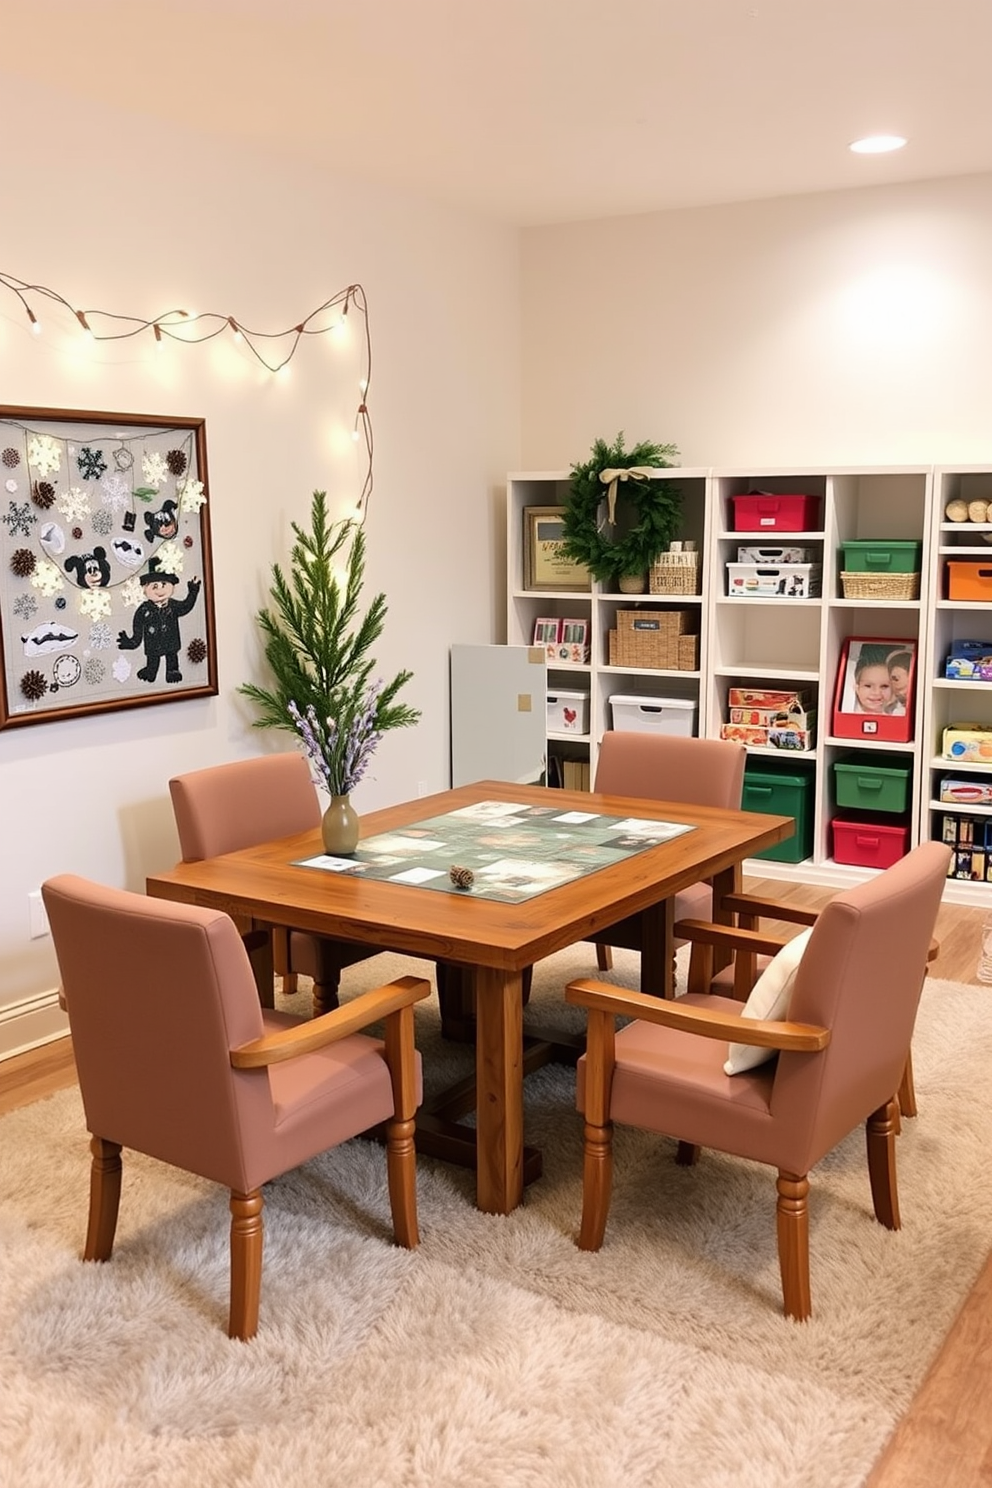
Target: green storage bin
[
  {"x": 881, "y": 787},
  {"x": 783, "y": 794},
  {"x": 882, "y": 556}
]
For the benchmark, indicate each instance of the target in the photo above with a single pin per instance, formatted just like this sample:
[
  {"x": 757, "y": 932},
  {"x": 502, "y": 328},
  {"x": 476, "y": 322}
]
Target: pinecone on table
[{"x": 462, "y": 878}]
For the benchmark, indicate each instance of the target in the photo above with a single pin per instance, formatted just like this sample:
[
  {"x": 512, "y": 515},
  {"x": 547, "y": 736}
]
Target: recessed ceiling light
[{"x": 877, "y": 144}]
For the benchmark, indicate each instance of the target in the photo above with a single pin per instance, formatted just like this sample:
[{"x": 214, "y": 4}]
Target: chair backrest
[
  {"x": 157, "y": 995},
  {"x": 668, "y": 767},
  {"x": 861, "y": 976},
  {"x": 227, "y": 807}
]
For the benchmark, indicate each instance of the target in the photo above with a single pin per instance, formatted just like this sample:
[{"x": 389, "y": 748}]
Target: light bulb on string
[
  {"x": 35, "y": 322},
  {"x": 80, "y": 316}
]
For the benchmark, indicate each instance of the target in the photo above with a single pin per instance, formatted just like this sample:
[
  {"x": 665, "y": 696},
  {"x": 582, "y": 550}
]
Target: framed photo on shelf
[
  {"x": 106, "y": 583},
  {"x": 874, "y": 695},
  {"x": 545, "y": 565}
]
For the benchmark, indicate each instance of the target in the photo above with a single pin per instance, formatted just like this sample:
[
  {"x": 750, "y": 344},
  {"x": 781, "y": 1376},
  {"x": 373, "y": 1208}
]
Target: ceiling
[{"x": 537, "y": 111}]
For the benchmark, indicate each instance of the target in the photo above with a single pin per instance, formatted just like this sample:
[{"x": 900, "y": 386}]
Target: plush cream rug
[{"x": 496, "y": 1354}]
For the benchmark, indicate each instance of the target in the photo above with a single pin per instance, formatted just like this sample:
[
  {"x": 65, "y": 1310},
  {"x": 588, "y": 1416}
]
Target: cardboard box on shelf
[{"x": 968, "y": 741}]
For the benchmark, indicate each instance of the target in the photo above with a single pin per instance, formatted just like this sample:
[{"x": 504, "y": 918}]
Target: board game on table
[{"x": 512, "y": 851}]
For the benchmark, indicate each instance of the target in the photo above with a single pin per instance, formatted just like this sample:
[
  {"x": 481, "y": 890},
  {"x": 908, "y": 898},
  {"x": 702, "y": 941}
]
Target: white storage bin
[
  {"x": 765, "y": 581},
  {"x": 568, "y": 712},
  {"x": 654, "y": 715}
]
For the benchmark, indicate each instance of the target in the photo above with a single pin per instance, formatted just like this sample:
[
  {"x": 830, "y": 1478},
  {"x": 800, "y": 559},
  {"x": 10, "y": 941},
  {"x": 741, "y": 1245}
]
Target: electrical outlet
[
  {"x": 421, "y": 787},
  {"x": 37, "y": 917}
]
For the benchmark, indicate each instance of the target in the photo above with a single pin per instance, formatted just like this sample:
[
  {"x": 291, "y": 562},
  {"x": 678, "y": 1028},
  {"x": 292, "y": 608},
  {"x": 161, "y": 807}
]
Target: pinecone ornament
[{"x": 462, "y": 878}]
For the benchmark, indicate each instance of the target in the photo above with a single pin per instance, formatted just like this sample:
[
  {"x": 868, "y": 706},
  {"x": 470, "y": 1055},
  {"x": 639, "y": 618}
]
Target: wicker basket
[
  {"x": 880, "y": 585},
  {"x": 675, "y": 573},
  {"x": 656, "y": 639}
]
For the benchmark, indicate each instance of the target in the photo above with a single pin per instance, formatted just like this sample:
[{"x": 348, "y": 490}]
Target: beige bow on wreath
[{"x": 610, "y": 478}]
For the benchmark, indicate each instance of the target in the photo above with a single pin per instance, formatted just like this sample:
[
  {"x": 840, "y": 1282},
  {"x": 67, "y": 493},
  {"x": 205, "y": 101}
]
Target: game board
[{"x": 512, "y": 851}]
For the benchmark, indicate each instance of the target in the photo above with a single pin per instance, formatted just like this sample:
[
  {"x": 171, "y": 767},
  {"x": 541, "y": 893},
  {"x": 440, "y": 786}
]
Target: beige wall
[
  {"x": 120, "y": 213},
  {"x": 850, "y": 327}
]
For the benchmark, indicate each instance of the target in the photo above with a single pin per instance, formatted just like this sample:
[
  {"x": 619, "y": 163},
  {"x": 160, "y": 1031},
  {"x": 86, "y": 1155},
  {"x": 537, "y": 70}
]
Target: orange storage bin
[{"x": 969, "y": 579}]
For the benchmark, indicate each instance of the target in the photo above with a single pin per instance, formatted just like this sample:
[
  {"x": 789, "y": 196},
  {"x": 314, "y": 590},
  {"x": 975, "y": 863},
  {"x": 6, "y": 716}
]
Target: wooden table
[{"x": 260, "y": 888}]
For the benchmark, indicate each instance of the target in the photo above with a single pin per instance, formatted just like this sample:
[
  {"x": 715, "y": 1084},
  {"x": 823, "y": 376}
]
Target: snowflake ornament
[
  {"x": 74, "y": 504},
  {"x": 94, "y": 602},
  {"x": 94, "y": 671},
  {"x": 116, "y": 492},
  {"x": 44, "y": 454},
  {"x": 19, "y": 518},
  {"x": 91, "y": 463},
  {"x": 47, "y": 578},
  {"x": 123, "y": 458},
  {"x": 121, "y": 669},
  {"x": 101, "y": 636},
  {"x": 170, "y": 558},
  {"x": 11, "y": 458},
  {"x": 11, "y": 486},
  {"x": 130, "y": 592},
  {"x": 191, "y": 496},
  {"x": 154, "y": 469},
  {"x": 103, "y": 523},
  {"x": 25, "y": 606}
]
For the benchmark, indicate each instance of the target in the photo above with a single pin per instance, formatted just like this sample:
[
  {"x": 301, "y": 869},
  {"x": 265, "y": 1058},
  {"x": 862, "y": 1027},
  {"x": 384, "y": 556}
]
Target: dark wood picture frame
[{"x": 106, "y": 577}]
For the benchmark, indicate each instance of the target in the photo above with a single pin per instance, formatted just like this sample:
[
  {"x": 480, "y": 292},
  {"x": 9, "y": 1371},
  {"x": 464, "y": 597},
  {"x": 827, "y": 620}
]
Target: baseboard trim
[{"x": 31, "y": 1022}]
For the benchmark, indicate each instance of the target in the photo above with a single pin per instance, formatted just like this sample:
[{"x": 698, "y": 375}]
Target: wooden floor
[{"x": 946, "y": 1435}]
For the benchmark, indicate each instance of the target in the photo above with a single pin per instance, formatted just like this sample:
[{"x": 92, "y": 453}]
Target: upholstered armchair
[
  {"x": 833, "y": 1045},
  {"x": 227, "y": 807},
  {"x": 667, "y": 767},
  {"x": 176, "y": 1059}
]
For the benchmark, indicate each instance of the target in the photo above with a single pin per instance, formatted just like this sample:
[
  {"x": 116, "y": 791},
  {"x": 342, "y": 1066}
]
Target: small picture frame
[
  {"x": 546, "y": 631},
  {"x": 545, "y": 565},
  {"x": 874, "y": 696}
]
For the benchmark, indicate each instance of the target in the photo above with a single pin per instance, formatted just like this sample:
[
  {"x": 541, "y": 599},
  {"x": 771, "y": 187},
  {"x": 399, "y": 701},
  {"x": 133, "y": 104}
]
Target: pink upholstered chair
[
  {"x": 666, "y": 767},
  {"x": 176, "y": 1059},
  {"x": 227, "y": 807},
  {"x": 841, "y": 1049}
]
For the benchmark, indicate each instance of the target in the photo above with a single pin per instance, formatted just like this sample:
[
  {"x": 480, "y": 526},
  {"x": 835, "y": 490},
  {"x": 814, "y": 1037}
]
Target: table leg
[
  {"x": 499, "y": 1110},
  {"x": 658, "y": 948},
  {"x": 728, "y": 881}
]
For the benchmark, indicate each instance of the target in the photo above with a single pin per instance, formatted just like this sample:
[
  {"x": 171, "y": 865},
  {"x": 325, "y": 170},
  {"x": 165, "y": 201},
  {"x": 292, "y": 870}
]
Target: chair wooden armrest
[
  {"x": 671, "y": 1013},
  {"x": 753, "y": 906},
  {"x": 370, "y": 1007},
  {"x": 732, "y": 937}
]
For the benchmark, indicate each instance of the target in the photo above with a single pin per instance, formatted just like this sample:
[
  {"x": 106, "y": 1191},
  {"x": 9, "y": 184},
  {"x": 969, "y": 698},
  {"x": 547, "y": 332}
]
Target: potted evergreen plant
[{"x": 318, "y": 645}]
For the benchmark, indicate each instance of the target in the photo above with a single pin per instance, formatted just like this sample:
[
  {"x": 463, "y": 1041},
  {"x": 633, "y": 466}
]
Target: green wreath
[{"x": 646, "y": 509}]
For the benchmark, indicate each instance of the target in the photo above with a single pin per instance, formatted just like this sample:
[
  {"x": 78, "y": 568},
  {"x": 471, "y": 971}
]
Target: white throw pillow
[{"x": 769, "y": 999}]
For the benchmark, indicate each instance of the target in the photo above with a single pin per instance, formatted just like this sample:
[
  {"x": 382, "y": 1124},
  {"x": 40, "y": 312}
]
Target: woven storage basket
[
  {"x": 675, "y": 577},
  {"x": 657, "y": 639},
  {"x": 880, "y": 585}
]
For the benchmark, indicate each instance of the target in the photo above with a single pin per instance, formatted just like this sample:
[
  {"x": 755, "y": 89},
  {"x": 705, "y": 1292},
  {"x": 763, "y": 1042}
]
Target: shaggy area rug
[{"x": 497, "y": 1354}]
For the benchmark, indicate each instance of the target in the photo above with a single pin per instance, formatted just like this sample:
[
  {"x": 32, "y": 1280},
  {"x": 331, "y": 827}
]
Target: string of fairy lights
[{"x": 192, "y": 328}]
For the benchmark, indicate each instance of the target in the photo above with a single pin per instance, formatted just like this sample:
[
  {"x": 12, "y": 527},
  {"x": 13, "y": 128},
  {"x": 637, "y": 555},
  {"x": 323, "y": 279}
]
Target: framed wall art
[
  {"x": 874, "y": 691},
  {"x": 106, "y": 585},
  {"x": 545, "y": 565}
]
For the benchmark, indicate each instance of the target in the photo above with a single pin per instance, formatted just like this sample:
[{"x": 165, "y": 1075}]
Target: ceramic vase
[{"x": 339, "y": 827}]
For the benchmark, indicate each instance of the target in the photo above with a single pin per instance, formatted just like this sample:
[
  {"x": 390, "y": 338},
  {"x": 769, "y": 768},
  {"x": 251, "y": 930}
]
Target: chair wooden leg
[
  {"x": 325, "y": 995},
  {"x": 597, "y": 1183},
  {"x": 880, "y": 1134},
  {"x": 290, "y": 984},
  {"x": 793, "y": 1243},
  {"x": 687, "y": 1154},
  {"x": 105, "y": 1197},
  {"x": 246, "y": 1263},
  {"x": 604, "y": 957},
  {"x": 401, "y": 1168},
  {"x": 907, "y": 1090}
]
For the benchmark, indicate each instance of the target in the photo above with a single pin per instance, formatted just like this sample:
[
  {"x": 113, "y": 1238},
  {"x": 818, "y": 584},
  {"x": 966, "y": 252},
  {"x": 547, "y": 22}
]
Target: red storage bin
[
  {"x": 765, "y": 511},
  {"x": 868, "y": 844}
]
